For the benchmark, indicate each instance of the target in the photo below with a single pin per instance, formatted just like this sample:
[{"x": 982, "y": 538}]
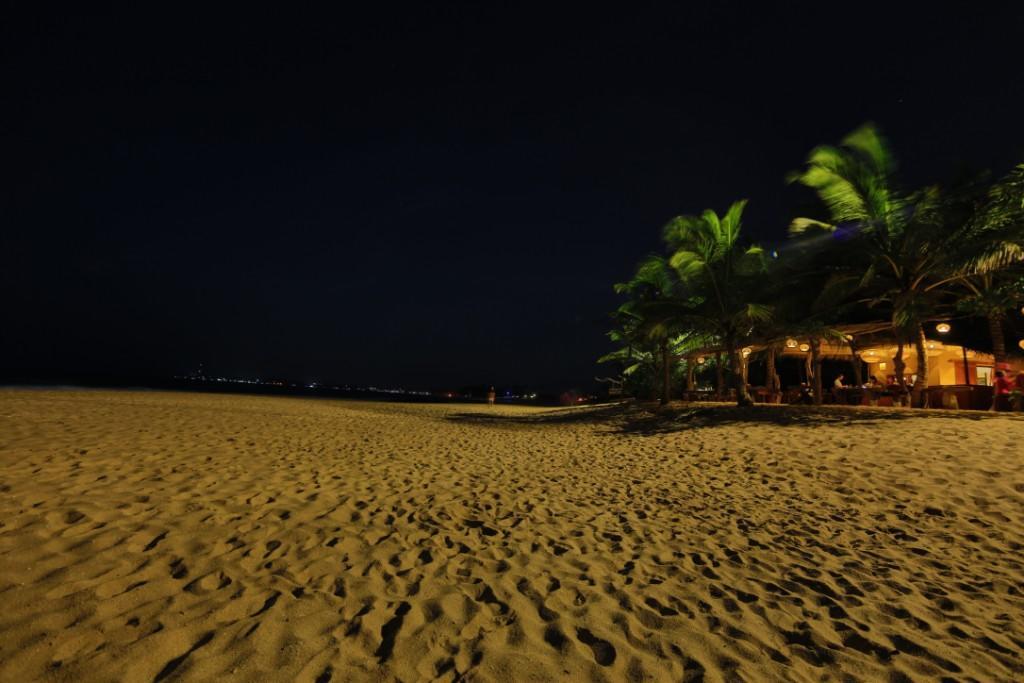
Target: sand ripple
[{"x": 158, "y": 536}]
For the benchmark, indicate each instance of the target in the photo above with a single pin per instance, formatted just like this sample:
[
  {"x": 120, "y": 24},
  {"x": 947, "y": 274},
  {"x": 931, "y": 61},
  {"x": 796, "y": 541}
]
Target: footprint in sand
[
  {"x": 604, "y": 652},
  {"x": 389, "y": 631},
  {"x": 73, "y": 517},
  {"x": 176, "y": 662},
  {"x": 179, "y": 570}
]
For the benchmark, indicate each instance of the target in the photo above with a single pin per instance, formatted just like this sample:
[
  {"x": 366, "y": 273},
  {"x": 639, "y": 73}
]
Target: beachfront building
[{"x": 958, "y": 376}]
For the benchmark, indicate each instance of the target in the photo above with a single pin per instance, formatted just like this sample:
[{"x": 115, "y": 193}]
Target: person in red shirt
[{"x": 1000, "y": 390}]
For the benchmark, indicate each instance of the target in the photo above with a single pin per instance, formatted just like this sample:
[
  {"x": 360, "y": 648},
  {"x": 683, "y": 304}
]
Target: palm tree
[
  {"x": 988, "y": 267},
  {"x": 719, "y": 280},
  {"x": 688, "y": 345},
  {"x": 807, "y": 286},
  {"x": 636, "y": 355},
  {"x": 899, "y": 242},
  {"x": 650, "y": 320},
  {"x": 803, "y": 313},
  {"x": 992, "y": 296}
]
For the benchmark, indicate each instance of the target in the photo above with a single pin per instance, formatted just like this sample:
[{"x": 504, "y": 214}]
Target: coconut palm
[
  {"x": 988, "y": 268},
  {"x": 719, "y": 280},
  {"x": 899, "y": 242},
  {"x": 650, "y": 321},
  {"x": 689, "y": 346},
  {"x": 992, "y": 296},
  {"x": 801, "y": 313},
  {"x": 810, "y": 288}
]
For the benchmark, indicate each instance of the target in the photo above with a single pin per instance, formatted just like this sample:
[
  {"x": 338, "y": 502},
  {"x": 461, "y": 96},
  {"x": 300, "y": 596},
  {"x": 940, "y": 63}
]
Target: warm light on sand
[{"x": 222, "y": 537}]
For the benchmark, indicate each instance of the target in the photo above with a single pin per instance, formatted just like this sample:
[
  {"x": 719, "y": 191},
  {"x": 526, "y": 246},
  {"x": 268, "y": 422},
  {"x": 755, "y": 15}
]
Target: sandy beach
[{"x": 187, "y": 537}]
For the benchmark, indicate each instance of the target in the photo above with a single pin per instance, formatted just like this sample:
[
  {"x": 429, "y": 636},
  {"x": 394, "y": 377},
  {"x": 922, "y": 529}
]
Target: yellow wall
[
  {"x": 947, "y": 370},
  {"x": 942, "y": 368}
]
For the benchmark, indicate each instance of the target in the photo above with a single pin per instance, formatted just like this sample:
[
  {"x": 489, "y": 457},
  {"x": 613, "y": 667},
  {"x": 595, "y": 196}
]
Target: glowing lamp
[
  {"x": 805, "y": 347},
  {"x": 791, "y": 343},
  {"x": 746, "y": 351},
  {"x": 942, "y": 328},
  {"x": 700, "y": 360},
  {"x": 881, "y": 366},
  {"x": 1021, "y": 343}
]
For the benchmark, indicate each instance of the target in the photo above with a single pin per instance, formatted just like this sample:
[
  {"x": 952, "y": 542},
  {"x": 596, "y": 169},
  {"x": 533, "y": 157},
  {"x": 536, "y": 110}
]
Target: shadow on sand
[{"x": 648, "y": 418}]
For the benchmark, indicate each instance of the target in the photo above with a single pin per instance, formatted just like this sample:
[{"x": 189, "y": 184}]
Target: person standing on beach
[
  {"x": 1000, "y": 391},
  {"x": 490, "y": 396}
]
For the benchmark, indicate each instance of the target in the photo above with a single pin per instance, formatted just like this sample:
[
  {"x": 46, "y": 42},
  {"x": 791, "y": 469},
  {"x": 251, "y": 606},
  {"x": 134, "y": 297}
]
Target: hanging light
[
  {"x": 942, "y": 328},
  {"x": 700, "y": 360},
  {"x": 1021, "y": 343},
  {"x": 881, "y": 366},
  {"x": 805, "y": 347},
  {"x": 791, "y": 343},
  {"x": 746, "y": 351}
]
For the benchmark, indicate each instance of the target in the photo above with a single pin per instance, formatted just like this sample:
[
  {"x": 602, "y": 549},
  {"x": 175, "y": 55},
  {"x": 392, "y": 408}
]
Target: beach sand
[{"x": 150, "y": 536}]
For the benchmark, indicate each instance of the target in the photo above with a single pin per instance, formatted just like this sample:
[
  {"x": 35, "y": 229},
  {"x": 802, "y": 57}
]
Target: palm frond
[{"x": 801, "y": 225}]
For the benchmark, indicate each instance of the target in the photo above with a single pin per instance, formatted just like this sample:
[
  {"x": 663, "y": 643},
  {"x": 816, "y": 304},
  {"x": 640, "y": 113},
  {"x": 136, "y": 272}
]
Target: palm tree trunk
[
  {"x": 899, "y": 367},
  {"x": 666, "y": 373},
  {"x": 742, "y": 397},
  {"x": 921, "y": 383},
  {"x": 816, "y": 362},
  {"x": 691, "y": 379},
  {"x": 995, "y": 329},
  {"x": 719, "y": 376},
  {"x": 858, "y": 378},
  {"x": 772, "y": 376}
]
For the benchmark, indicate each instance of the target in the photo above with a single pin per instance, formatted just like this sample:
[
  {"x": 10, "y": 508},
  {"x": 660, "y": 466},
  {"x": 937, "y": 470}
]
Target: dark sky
[{"x": 432, "y": 196}]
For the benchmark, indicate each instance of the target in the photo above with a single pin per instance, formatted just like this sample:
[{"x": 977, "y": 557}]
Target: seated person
[{"x": 874, "y": 388}]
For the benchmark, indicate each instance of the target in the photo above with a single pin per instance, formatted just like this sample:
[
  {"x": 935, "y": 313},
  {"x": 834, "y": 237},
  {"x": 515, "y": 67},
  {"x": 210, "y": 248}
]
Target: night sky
[{"x": 437, "y": 196}]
